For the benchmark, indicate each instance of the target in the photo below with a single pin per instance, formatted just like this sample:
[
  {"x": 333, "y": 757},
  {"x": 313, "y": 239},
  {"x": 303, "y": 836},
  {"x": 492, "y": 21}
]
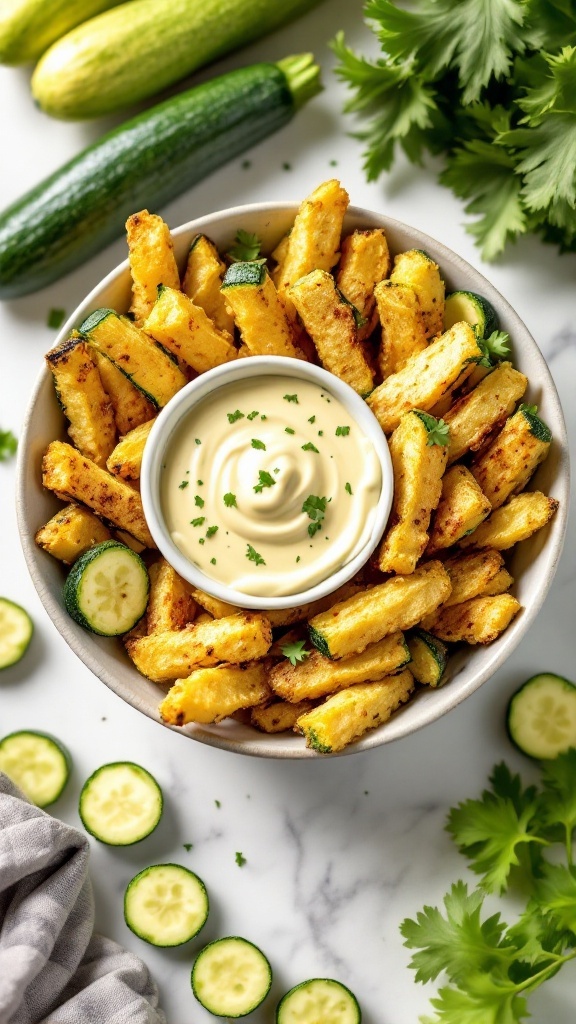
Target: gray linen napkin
[{"x": 52, "y": 968}]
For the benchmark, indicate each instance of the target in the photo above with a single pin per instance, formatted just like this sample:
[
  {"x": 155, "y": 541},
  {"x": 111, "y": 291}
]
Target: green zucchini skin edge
[
  {"x": 244, "y": 273},
  {"x": 63, "y": 750},
  {"x": 146, "y": 162},
  {"x": 517, "y": 694},
  {"x": 74, "y": 578},
  {"x": 114, "y": 764},
  {"x": 146, "y": 871},
  {"x": 537, "y": 426},
  {"x": 319, "y": 641}
]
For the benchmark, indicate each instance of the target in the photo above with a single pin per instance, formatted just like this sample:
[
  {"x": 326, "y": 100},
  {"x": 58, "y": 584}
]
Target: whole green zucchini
[
  {"x": 141, "y": 47},
  {"x": 144, "y": 163},
  {"x": 28, "y": 27}
]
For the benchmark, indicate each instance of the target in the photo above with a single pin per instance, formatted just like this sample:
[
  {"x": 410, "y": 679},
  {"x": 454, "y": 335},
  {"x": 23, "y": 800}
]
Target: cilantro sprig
[
  {"x": 315, "y": 509},
  {"x": 494, "y": 348},
  {"x": 438, "y": 431},
  {"x": 265, "y": 479},
  {"x": 295, "y": 651},
  {"x": 511, "y": 837},
  {"x": 246, "y": 247}
]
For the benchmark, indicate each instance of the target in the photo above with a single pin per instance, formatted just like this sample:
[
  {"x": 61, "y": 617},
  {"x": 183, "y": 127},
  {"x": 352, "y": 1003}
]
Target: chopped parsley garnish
[
  {"x": 199, "y": 482},
  {"x": 188, "y": 846},
  {"x": 201, "y": 541},
  {"x": 212, "y": 561},
  {"x": 309, "y": 447},
  {"x": 183, "y": 485},
  {"x": 8, "y": 444},
  {"x": 264, "y": 480},
  {"x": 217, "y": 803},
  {"x": 320, "y": 433},
  {"x": 295, "y": 651},
  {"x": 348, "y": 487},
  {"x": 312, "y": 419},
  {"x": 298, "y": 558},
  {"x": 291, "y": 398},
  {"x": 494, "y": 348},
  {"x": 288, "y": 430},
  {"x": 211, "y": 531},
  {"x": 198, "y": 522},
  {"x": 247, "y": 247},
  {"x": 315, "y": 509},
  {"x": 240, "y": 859},
  {"x": 233, "y": 416},
  {"x": 258, "y": 444},
  {"x": 252, "y": 415},
  {"x": 286, "y": 167},
  {"x": 230, "y": 500},
  {"x": 253, "y": 556},
  {"x": 56, "y": 318},
  {"x": 438, "y": 431},
  {"x": 197, "y": 440},
  {"x": 342, "y": 431},
  {"x": 198, "y": 501}
]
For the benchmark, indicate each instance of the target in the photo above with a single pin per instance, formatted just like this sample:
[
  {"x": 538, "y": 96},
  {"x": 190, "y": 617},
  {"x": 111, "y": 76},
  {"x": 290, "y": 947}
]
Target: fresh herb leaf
[
  {"x": 312, "y": 419},
  {"x": 309, "y": 447},
  {"x": 315, "y": 509},
  {"x": 198, "y": 522},
  {"x": 348, "y": 487},
  {"x": 230, "y": 500},
  {"x": 198, "y": 501},
  {"x": 199, "y": 482},
  {"x": 342, "y": 431},
  {"x": 295, "y": 651},
  {"x": 182, "y": 485},
  {"x": 56, "y": 318},
  {"x": 211, "y": 531},
  {"x": 212, "y": 561},
  {"x": 252, "y": 415},
  {"x": 234, "y": 416},
  {"x": 288, "y": 430},
  {"x": 240, "y": 859},
  {"x": 197, "y": 440},
  {"x": 313, "y": 529},
  {"x": 188, "y": 846},
  {"x": 258, "y": 444},
  {"x": 253, "y": 556},
  {"x": 291, "y": 398},
  {"x": 264, "y": 480},
  {"x": 494, "y": 348},
  {"x": 8, "y": 444},
  {"x": 438, "y": 431},
  {"x": 246, "y": 248},
  {"x": 217, "y": 803},
  {"x": 202, "y": 540}
]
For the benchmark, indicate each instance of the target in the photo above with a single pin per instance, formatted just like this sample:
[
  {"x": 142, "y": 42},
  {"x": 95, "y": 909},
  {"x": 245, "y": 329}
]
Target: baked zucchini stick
[
  {"x": 143, "y": 362},
  {"x": 174, "y": 654},
  {"x": 83, "y": 399},
  {"x": 279, "y": 716},
  {"x": 364, "y": 262},
  {"x": 426, "y": 376},
  {"x": 279, "y": 255},
  {"x": 479, "y": 621},
  {"x": 279, "y": 616},
  {"x": 202, "y": 281},
  {"x": 429, "y": 657},
  {"x": 152, "y": 261},
  {"x": 522, "y": 516},
  {"x": 126, "y": 459},
  {"x": 211, "y": 694},
  {"x": 131, "y": 407},
  {"x": 500, "y": 584},
  {"x": 186, "y": 331},
  {"x": 330, "y": 322},
  {"x": 70, "y": 533},
  {"x": 402, "y": 323},
  {"x": 475, "y": 416},
  {"x": 258, "y": 311},
  {"x": 347, "y": 715},
  {"x": 470, "y": 574},
  {"x": 170, "y": 604},
  {"x": 462, "y": 508},
  {"x": 417, "y": 270},
  {"x": 317, "y": 676},
  {"x": 397, "y": 604},
  {"x": 507, "y": 465},
  {"x": 74, "y": 477},
  {"x": 418, "y": 461}
]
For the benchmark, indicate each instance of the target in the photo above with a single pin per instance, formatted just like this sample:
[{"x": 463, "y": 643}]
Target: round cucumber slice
[
  {"x": 320, "y": 999},
  {"x": 474, "y": 309},
  {"x": 37, "y": 763},
  {"x": 16, "y": 630},
  {"x": 106, "y": 590},
  {"x": 541, "y": 716},
  {"x": 120, "y": 804},
  {"x": 231, "y": 977},
  {"x": 166, "y": 905}
]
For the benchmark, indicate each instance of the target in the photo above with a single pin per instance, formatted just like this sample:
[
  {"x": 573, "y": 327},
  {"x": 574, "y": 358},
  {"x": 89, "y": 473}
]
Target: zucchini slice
[
  {"x": 16, "y": 630},
  {"x": 429, "y": 657},
  {"x": 474, "y": 309},
  {"x": 37, "y": 763},
  {"x": 106, "y": 590},
  {"x": 166, "y": 905},
  {"x": 541, "y": 716},
  {"x": 320, "y": 999},
  {"x": 231, "y": 977},
  {"x": 120, "y": 804}
]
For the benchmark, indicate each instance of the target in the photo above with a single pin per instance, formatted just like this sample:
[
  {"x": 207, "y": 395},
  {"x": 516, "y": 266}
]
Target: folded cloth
[{"x": 52, "y": 968}]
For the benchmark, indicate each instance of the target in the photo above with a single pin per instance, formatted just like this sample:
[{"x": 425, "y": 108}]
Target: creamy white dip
[{"x": 269, "y": 486}]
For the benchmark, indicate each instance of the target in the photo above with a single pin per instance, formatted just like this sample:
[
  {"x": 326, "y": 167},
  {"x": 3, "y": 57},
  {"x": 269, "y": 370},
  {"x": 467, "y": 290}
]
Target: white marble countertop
[{"x": 337, "y": 851}]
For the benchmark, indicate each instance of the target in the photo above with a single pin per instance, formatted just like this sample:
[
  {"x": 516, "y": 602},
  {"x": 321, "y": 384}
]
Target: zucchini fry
[
  {"x": 417, "y": 270},
  {"x": 330, "y": 322},
  {"x": 83, "y": 399},
  {"x": 170, "y": 604},
  {"x": 470, "y": 574},
  {"x": 500, "y": 584},
  {"x": 175, "y": 653},
  {"x": 317, "y": 676},
  {"x": 347, "y": 715},
  {"x": 475, "y": 416},
  {"x": 479, "y": 621},
  {"x": 131, "y": 407},
  {"x": 74, "y": 477},
  {"x": 429, "y": 657},
  {"x": 186, "y": 331},
  {"x": 507, "y": 465},
  {"x": 279, "y": 716},
  {"x": 402, "y": 323},
  {"x": 426, "y": 376},
  {"x": 202, "y": 281},
  {"x": 522, "y": 516},
  {"x": 126, "y": 459},
  {"x": 258, "y": 311},
  {"x": 418, "y": 467},
  {"x": 279, "y": 255},
  {"x": 399, "y": 603},
  {"x": 279, "y": 616},
  {"x": 70, "y": 533},
  {"x": 211, "y": 694},
  {"x": 152, "y": 261},
  {"x": 364, "y": 262},
  {"x": 462, "y": 508}
]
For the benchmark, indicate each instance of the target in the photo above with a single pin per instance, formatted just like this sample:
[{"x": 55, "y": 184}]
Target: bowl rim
[
  {"x": 195, "y": 393},
  {"x": 446, "y": 699}
]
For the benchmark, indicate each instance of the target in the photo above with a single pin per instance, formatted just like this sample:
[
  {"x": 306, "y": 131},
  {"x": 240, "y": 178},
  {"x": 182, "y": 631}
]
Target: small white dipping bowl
[{"x": 185, "y": 401}]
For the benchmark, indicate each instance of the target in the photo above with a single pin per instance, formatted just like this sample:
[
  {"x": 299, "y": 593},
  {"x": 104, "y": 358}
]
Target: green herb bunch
[
  {"x": 512, "y": 837},
  {"x": 490, "y": 85}
]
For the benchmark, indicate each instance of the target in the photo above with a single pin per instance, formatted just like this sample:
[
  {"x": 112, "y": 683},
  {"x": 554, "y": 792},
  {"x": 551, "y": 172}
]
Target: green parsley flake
[
  {"x": 298, "y": 558},
  {"x": 188, "y": 846},
  {"x": 253, "y": 556},
  {"x": 258, "y": 444},
  {"x": 263, "y": 417},
  {"x": 247, "y": 247},
  {"x": 183, "y": 485},
  {"x": 198, "y": 522},
  {"x": 315, "y": 509},
  {"x": 320, "y": 433},
  {"x": 197, "y": 440},
  {"x": 217, "y": 803},
  {"x": 312, "y": 419},
  {"x": 212, "y": 561},
  {"x": 8, "y": 444},
  {"x": 230, "y": 500},
  {"x": 198, "y": 501},
  {"x": 240, "y": 859},
  {"x": 56, "y": 318},
  {"x": 252, "y": 415},
  {"x": 264, "y": 480},
  {"x": 348, "y": 487},
  {"x": 199, "y": 482},
  {"x": 201, "y": 541},
  {"x": 291, "y": 398},
  {"x": 233, "y": 416},
  {"x": 211, "y": 531},
  {"x": 342, "y": 431},
  {"x": 288, "y": 430},
  {"x": 309, "y": 447},
  {"x": 295, "y": 651}
]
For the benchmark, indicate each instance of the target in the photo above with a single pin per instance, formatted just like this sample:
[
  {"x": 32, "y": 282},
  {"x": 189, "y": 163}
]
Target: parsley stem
[
  {"x": 542, "y": 975},
  {"x": 569, "y": 853}
]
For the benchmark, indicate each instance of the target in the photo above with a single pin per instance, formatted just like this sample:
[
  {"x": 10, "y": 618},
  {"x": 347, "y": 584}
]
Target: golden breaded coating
[
  {"x": 479, "y": 621},
  {"x": 186, "y": 331},
  {"x": 170, "y": 604},
  {"x": 500, "y": 584},
  {"x": 471, "y": 573},
  {"x": 131, "y": 408},
  {"x": 507, "y": 465},
  {"x": 279, "y": 716},
  {"x": 152, "y": 261},
  {"x": 516, "y": 521},
  {"x": 126, "y": 459},
  {"x": 211, "y": 694},
  {"x": 417, "y": 270},
  {"x": 279, "y": 616},
  {"x": 475, "y": 416},
  {"x": 259, "y": 314},
  {"x": 202, "y": 282},
  {"x": 83, "y": 399},
  {"x": 402, "y": 323},
  {"x": 70, "y": 533},
  {"x": 364, "y": 262},
  {"x": 461, "y": 509}
]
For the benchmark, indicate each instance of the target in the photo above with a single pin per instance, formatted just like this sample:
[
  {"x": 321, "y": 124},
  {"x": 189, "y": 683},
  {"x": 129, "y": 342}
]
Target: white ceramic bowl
[
  {"x": 533, "y": 563},
  {"x": 197, "y": 391}
]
